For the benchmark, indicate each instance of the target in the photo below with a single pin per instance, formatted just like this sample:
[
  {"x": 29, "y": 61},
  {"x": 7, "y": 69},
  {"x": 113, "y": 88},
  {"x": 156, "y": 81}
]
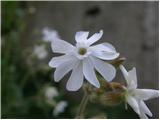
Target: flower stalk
[{"x": 83, "y": 104}]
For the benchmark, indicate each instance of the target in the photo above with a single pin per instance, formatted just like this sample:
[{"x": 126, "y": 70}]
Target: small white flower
[
  {"x": 135, "y": 97},
  {"x": 49, "y": 35},
  {"x": 32, "y": 10},
  {"x": 82, "y": 59},
  {"x": 40, "y": 51},
  {"x": 51, "y": 92},
  {"x": 60, "y": 107}
]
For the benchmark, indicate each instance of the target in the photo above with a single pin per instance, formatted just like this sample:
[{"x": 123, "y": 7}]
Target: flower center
[{"x": 82, "y": 51}]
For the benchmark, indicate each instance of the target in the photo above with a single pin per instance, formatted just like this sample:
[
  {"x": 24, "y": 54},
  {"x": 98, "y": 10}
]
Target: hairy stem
[{"x": 82, "y": 106}]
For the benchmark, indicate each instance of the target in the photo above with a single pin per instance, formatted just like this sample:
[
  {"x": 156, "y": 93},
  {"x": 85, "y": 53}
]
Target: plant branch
[{"x": 82, "y": 106}]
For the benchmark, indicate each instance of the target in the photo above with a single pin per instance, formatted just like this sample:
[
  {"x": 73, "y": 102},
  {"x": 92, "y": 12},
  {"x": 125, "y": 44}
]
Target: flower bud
[
  {"x": 109, "y": 94},
  {"x": 116, "y": 86},
  {"x": 118, "y": 61},
  {"x": 112, "y": 98},
  {"x": 105, "y": 86}
]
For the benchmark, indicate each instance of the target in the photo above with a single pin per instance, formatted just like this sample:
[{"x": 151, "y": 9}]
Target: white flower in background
[
  {"x": 51, "y": 92},
  {"x": 32, "y": 10},
  {"x": 49, "y": 35},
  {"x": 135, "y": 97},
  {"x": 82, "y": 59},
  {"x": 40, "y": 51},
  {"x": 60, "y": 107}
]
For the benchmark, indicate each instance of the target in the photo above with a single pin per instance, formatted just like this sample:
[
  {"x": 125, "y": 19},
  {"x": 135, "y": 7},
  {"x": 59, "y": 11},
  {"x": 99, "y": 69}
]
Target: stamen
[{"x": 82, "y": 51}]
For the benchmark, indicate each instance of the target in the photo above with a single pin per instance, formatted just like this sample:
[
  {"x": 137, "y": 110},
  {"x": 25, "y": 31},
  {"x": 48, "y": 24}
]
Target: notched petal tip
[
  {"x": 101, "y": 31},
  {"x": 50, "y": 64},
  {"x": 56, "y": 79},
  {"x": 117, "y": 54},
  {"x": 156, "y": 93},
  {"x": 134, "y": 68},
  {"x": 132, "y": 72},
  {"x": 94, "y": 82},
  {"x": 97, "y": 85}
]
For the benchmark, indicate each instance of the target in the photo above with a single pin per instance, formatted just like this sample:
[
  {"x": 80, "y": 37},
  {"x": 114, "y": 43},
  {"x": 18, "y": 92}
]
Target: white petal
[
  {"x": 130, "y": 77},
  {"x": 76, "y": 79},
  {"x": 144, "y": 108},
  {"x": 81, "y": 36},
  {"x": 105, "y": 55},
  {"x": 125, "y": 73},
  {"x": 133, "y": 77},
  {"x": 104, "y": 47},
  {"x": 143, "y": 116},
  {"x": 95, "y": 37},
  {"x": 145, "y": 94},
  {"x": 104, "y": 51},
  {"x": 63, "y": 69},
  {"x": 61, "y": 46},
  {"x": 105, "y": 69},
  {"x": 133, "y": 103},
  {"x": 89, "y": 73},
  {"x": 56, "y": 61}
]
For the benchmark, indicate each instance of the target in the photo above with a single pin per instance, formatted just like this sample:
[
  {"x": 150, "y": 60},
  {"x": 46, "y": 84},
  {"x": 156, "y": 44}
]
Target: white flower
[
  {"x": 51, "y": 92},
  {"x": 135, "y": 97},
  {"x": 60, "y": 107},
  {"x": 32, "y": 10},
  {"x": 40, "y": 51},
  {"x": 49, "y": 35},
  {"x": 82, "y": 59}
]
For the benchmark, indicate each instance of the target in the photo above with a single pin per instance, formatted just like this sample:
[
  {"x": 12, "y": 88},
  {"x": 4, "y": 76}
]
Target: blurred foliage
[
  {"x": 23, "y": 86},
  {"x": 13, "y": 14}
]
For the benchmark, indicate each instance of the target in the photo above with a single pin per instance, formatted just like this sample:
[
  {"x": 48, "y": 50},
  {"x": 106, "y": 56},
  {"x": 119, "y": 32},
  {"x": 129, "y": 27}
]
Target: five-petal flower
[
  {"x": 135, "y": 97},
  {"x": 82, "y": 59}
]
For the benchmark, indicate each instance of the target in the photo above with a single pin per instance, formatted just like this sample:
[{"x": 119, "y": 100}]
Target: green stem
[{"x": 82, "y": 106}]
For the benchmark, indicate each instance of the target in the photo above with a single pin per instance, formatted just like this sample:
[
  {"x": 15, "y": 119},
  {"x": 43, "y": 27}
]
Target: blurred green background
[{"x": 131, "y": 26}]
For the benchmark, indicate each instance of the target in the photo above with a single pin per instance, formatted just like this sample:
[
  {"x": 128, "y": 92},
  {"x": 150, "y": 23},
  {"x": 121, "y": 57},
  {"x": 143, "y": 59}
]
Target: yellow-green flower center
[{"x": 82, "y": 51}]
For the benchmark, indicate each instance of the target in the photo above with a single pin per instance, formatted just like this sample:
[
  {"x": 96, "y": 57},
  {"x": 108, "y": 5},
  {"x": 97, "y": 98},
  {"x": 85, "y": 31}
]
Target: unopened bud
[
  {"x": 116, "y": 86},
  {"x": 104, "y": 84},
  {"x": 118, "y": 61},
  {"x": 112, "y": 98}
]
